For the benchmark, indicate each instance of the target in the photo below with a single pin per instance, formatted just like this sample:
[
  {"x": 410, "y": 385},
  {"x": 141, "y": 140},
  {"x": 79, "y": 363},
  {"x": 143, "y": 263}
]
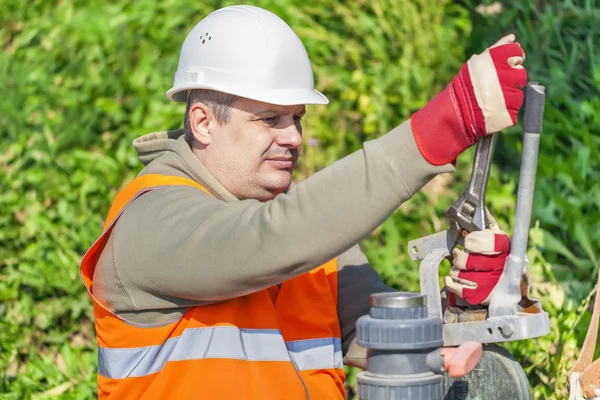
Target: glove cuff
[{"x": 439, "y": 130}]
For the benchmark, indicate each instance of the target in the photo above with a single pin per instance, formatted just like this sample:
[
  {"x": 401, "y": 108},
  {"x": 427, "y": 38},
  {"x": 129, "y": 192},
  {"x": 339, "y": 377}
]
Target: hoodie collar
[{"x": 168, "y": 153}]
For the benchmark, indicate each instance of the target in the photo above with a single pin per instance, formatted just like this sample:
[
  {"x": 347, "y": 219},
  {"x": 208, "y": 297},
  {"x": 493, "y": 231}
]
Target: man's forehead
[{"x": 259, "y": 107}]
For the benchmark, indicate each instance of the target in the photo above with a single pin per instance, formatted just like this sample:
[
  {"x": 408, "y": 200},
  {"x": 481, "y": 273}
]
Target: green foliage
[{"x": 83, "y": 78}]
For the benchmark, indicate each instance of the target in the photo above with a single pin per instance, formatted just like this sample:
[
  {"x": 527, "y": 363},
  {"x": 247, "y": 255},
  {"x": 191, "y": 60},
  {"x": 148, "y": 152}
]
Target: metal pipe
[
  {"x": 507, "y": 293},
  {"x": 534, "y": 113}
]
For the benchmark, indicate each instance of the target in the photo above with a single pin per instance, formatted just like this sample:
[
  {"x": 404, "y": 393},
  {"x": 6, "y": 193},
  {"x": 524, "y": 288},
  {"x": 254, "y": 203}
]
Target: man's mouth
[{"x": 281, "y": 162}]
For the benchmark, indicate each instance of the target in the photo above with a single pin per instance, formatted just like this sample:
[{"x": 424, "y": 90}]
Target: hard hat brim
[{"x": 282, "y": 97}]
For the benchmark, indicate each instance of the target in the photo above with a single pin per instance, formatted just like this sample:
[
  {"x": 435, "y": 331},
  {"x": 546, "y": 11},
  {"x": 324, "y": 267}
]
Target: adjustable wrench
[{"x": 468, "y": 213}]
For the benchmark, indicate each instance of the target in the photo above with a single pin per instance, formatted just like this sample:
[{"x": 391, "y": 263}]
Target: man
[{"x": 209, "y": 281}]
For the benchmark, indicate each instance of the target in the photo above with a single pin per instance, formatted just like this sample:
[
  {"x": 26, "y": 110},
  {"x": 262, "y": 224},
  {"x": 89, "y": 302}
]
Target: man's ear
[{"x": 200, "y": 117}]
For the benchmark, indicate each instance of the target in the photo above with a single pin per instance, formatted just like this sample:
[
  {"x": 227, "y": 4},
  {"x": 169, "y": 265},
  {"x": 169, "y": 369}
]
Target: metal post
[
  {"x": 507, "y": 294},
  {"x": 534, "y": 112}
]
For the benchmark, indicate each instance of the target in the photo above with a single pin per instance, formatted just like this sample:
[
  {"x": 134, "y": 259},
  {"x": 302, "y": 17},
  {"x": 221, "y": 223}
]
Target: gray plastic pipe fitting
[{"x": 405, "y": 357}]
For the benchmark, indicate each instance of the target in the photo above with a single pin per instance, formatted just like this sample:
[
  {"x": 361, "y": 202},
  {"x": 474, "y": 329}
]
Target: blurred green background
[{"x": 81, "y": 79}]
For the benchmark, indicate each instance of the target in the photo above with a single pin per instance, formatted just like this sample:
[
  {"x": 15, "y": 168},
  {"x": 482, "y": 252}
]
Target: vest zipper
[
  {"x": 302, "y": 382},
  {"x": 306, "y": 394}
]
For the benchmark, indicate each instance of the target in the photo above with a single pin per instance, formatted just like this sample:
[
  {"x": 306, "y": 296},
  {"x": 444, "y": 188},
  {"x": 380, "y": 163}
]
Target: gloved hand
[
  {"x": 485, "y": 97},
  {"x": 476, "y": 269}
]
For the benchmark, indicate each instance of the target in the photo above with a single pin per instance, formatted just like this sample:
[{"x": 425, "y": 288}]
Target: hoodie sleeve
[{"x": 177, "y": 246}]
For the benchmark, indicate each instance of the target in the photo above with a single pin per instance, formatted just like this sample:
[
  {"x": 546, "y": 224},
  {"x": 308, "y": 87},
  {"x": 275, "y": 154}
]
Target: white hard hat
[{"x": 249, "y": 52}]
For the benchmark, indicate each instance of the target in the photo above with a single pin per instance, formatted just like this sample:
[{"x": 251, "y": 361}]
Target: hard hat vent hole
[{"x": 203, "y": 38}]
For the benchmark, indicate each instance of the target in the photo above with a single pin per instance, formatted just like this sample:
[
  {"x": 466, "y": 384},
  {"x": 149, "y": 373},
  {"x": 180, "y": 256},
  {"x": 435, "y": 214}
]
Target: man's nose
[{"x": 290, "y": 136}]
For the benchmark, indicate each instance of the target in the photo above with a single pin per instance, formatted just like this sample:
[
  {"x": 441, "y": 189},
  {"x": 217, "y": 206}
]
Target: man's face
[{"x": 254, "y": 154}]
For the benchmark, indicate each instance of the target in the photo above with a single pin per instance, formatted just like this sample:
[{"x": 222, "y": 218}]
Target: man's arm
[
  {"x": 175, "y": 247},
  {"x": 357, "y": 280}
]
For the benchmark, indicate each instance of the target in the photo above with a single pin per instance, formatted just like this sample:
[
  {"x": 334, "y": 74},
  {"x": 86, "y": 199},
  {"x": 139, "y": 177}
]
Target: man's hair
[{"x": 218, "y": 102}]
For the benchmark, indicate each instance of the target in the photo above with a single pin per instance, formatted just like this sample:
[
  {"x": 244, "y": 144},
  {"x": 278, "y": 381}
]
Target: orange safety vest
[{"x": 279, "y": 343}]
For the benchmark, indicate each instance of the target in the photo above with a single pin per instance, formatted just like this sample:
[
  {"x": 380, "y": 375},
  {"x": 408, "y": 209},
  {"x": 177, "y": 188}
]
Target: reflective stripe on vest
[{"x": 220, "y": 342}]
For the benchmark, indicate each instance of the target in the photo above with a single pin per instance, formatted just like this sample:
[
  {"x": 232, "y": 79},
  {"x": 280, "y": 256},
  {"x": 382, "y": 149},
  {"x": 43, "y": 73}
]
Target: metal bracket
[{"x": 501, "y": 328}]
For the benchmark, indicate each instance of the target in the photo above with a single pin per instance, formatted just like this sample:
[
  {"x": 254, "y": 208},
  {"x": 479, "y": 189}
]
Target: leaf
[{"x": 582, "y": 233}]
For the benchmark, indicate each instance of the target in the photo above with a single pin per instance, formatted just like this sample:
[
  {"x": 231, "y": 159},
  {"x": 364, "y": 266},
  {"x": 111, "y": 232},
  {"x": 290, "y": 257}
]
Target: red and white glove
[
  {"x": 476, "y": 269},
  {"x": 485, "y": 97}
]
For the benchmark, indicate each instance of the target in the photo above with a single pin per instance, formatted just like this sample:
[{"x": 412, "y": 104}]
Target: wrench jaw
[{"x": 468, "y": 213}]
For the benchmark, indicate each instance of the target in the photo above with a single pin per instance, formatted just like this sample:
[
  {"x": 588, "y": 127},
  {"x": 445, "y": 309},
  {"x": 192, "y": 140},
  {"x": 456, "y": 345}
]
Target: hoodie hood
[
  {"x": 167, "y": 153},
  {"x": 151, "y": 146}
]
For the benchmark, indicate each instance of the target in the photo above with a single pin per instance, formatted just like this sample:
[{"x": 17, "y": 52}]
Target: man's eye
[
  {"x": 297, "y": 118},
  {"x": 271, "y": 120}
]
